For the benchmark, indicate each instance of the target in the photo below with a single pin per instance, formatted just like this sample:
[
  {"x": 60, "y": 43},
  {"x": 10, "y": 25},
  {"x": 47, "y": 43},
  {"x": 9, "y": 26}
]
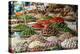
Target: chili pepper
[
  {"x": 37, "y": 25},
  {"x": 57, "y": 20}
]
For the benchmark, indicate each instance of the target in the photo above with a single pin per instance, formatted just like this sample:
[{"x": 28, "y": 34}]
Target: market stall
[{"x": 43, "y": 27}]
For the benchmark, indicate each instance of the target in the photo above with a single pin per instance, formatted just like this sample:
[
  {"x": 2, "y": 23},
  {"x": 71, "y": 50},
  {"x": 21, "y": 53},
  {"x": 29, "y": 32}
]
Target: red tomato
[
  {"x": 37, "y": 26},
  {"x": 43, "y": 22},
  {"x": 57, "y": 20}
]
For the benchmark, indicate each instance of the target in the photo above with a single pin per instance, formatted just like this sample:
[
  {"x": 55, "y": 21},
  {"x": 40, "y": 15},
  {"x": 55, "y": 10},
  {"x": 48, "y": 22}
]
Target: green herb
[
  {"x": 27, "y": 32},
  {"x": 58, "y": 25},
  {"x": 20, "y": 27},
  {"x": 61, "y": 27},
  {"x": 66, "y": 29}
]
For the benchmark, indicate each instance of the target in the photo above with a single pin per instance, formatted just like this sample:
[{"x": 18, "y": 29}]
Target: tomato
[
  {"x": 37, "y": 26},
  {"x": 57, "y": 20},
  {"x": 43, "y": 22}
]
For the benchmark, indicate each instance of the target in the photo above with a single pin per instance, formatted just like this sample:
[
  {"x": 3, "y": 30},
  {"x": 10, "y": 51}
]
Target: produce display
[{"x": 43, "y": 27}]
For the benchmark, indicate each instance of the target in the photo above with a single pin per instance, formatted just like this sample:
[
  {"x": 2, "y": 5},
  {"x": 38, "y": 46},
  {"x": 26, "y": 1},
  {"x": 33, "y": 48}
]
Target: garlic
[
  {"x": 35, "y": 43},
  {"x": 52, "y": 38},
  {"x": 21, "y": 46},
  {"x": 70, "y": 43}
]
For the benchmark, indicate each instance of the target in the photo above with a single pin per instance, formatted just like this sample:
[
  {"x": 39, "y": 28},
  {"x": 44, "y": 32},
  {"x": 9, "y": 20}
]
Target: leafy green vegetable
[
  {"x": 27, "y": 17},
  {"x": 27, "y": 32},
  {"x": 66, "y": 29},
  {"x": 20, "y": 27},
  {"x": 61, "y": 27}
]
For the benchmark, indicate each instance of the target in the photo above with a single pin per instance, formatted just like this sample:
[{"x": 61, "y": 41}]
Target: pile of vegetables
[
  {"x": 56, "y": 22},
  {"x": 25, "y": 30},
  {"x": 20, "y": 27},
  {"x": 46, "y": 24},
  {"x": 62, "y": 27},
  {"x": 48, "y": 21},
  {"x": 28, "y": 32},
  {"x": 27, "y": 17}
]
